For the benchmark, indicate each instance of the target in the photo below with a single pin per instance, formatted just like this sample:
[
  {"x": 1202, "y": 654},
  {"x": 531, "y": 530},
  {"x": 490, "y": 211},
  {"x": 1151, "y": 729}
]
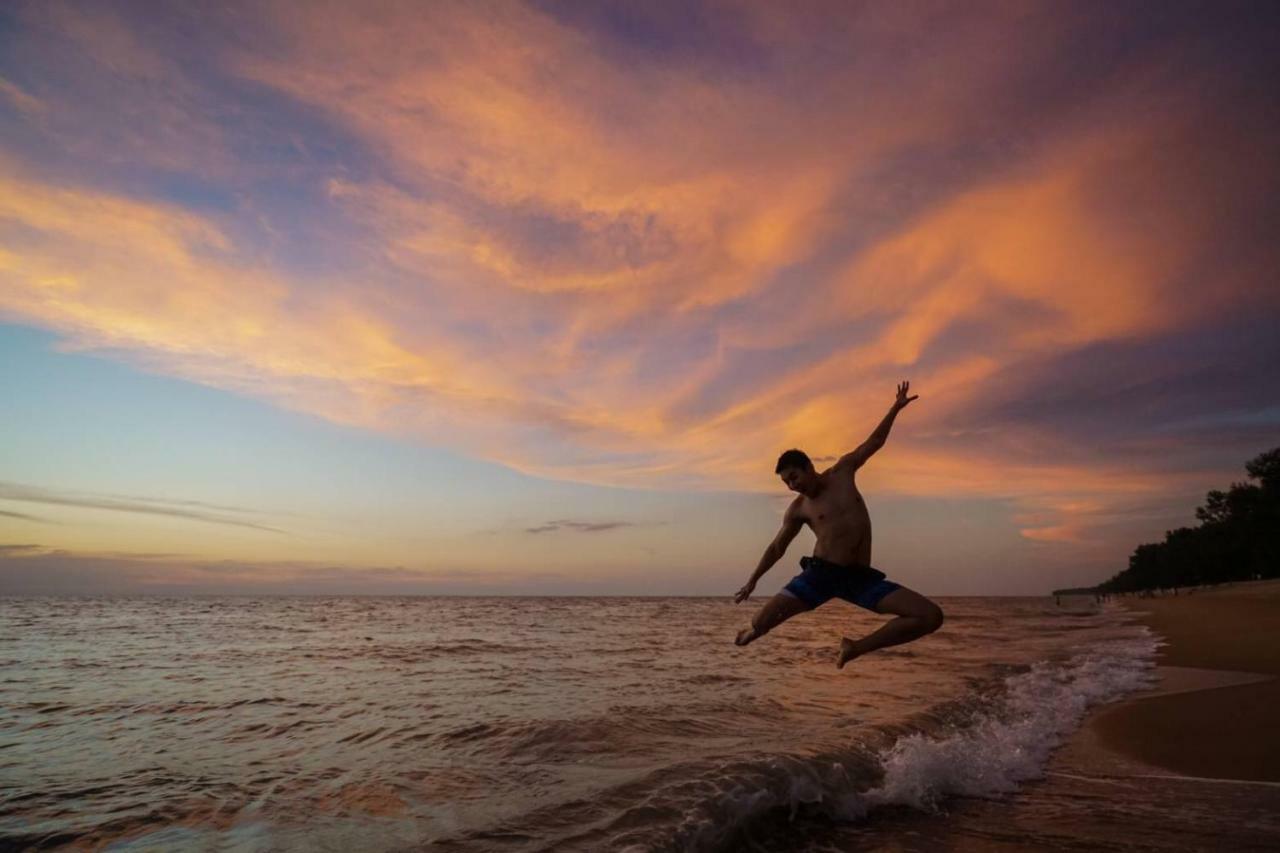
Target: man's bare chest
[{"x": 835, "y": 508}]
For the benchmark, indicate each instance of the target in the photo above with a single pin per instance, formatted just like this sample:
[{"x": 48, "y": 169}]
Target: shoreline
[{"x": 1212, "y": 713}]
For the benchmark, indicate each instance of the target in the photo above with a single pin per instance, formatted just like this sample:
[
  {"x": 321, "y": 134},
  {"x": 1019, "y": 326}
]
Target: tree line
[{"x": 1238, "y": 538}]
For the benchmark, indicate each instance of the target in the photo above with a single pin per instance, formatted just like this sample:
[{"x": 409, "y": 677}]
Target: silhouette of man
[{"x": 841, "y": 563}]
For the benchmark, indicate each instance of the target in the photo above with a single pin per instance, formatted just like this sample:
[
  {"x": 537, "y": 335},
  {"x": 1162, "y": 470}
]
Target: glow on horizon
[{"x": 615, "y": 258}]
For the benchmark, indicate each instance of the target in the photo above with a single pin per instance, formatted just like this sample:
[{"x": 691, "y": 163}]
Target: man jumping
[{"x": 841, "y": 563}]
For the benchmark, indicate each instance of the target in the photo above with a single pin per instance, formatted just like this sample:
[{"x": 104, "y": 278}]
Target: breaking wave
[{"x": 985, "y": 744}]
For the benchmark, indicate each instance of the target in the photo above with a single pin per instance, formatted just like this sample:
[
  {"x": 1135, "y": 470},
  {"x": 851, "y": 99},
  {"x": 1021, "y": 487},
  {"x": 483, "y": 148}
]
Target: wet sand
[{"x": 1213, "y": 713}]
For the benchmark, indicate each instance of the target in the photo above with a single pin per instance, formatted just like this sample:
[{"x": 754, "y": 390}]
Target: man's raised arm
[{"x": 877, "y": 438}]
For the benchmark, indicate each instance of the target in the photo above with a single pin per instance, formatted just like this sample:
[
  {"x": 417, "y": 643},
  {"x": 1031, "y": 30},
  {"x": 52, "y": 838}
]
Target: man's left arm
[{"x": 876, "y": 440}]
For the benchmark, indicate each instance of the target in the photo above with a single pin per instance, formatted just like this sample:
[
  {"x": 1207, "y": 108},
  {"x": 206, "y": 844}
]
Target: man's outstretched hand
[
  {"x": 903, "y": 399},
  {"x": 744, "y": 593}
]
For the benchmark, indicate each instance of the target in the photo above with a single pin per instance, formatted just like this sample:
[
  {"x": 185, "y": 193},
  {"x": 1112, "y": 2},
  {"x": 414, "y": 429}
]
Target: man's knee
[{"x": 932, "y": 618}]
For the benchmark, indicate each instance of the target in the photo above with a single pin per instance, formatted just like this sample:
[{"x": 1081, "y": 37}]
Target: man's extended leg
[
  {"x": 776, "y": 610},
  {"x": 916, "y": 614}
]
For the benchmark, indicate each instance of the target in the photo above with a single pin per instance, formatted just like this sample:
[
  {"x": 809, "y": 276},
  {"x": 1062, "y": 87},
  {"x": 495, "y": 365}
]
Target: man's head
[{"x": 796, "y": 470}]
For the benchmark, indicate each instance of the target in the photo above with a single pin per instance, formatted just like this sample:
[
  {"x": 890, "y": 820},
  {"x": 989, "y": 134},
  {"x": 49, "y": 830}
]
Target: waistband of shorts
[{"x": 823, "y": 565}]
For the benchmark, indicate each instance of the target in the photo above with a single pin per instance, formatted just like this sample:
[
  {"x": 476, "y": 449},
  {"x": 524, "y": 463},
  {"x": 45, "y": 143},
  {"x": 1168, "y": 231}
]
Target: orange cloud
[{"x": 565, "y": 259}]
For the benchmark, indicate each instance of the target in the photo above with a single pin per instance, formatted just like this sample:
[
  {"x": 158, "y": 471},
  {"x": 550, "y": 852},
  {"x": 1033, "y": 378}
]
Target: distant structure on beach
[{"x": 1238, "y": 539}]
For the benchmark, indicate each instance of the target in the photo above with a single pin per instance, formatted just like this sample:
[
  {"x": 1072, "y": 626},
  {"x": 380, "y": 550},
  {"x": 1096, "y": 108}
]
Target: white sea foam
[
  {"x": 995, "y": 750},
  {"x": 1011, "y": 743}
]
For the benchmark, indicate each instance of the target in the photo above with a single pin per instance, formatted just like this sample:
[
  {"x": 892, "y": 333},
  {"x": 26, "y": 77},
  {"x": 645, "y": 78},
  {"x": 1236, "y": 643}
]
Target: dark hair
[{"x": 793, "y": 459}]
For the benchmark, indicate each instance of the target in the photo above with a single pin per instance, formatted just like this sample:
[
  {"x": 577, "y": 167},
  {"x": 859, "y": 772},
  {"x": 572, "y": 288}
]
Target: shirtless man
[{"x": 841, "y": 563}]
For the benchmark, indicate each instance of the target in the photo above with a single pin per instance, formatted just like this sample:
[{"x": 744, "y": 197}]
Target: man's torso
[{"x": 840, "y": 520}]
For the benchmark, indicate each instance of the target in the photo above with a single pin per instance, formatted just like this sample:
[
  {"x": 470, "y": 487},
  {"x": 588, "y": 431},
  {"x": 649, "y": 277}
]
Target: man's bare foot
[
  {"x": 848, "y": 651},
  {"x": 745, "y": 636}
]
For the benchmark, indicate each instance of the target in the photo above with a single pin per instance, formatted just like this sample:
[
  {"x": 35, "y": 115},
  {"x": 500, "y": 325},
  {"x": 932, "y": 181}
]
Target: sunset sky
[{"x": 523, "y": 298}]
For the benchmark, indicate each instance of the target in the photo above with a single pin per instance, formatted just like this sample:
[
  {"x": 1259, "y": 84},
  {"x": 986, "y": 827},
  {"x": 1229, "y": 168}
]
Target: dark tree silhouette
[{"x": 1238, "y": 538}]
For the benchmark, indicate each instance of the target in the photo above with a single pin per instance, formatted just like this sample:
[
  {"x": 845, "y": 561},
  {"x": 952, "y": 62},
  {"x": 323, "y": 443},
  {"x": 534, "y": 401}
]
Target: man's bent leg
[
  {"x": 776, "y": 610},
  {"x": 917, "y": 616}
]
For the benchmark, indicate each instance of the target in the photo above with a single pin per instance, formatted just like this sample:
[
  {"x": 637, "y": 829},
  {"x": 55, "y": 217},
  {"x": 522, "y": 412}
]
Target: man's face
[{"x": 795, "y": 478}]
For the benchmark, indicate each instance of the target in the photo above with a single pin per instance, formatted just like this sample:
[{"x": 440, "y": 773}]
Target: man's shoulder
[{"x": 841, "y": 479}]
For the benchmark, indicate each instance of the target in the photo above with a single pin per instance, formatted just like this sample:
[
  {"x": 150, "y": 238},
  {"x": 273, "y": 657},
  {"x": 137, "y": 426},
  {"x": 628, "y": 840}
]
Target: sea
[{"x": 578, "y": 724}]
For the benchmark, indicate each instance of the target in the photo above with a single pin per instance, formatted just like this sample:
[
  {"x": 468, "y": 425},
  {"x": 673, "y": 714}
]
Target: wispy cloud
[
  {"x": 20, "y": 99},
  {"x": 579, "y": 526},
  {"x": 21, "y": 516},
  {"x": 115, "y": 503},
  {"x": 39, "y": 570},
  {"x": 12, "y": 550}
]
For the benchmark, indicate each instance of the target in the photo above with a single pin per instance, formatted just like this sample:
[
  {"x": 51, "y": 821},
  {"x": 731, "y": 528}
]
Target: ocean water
[{"x": 530, "y": 724}]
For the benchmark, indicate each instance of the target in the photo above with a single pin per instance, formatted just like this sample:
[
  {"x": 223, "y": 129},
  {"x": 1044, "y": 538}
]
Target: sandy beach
[{"x": 1213, "y": 713}]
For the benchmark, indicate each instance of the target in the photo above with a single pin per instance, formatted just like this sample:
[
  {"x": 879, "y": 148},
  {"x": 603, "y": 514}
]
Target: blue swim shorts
[{"x": 821, "y": 580}]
